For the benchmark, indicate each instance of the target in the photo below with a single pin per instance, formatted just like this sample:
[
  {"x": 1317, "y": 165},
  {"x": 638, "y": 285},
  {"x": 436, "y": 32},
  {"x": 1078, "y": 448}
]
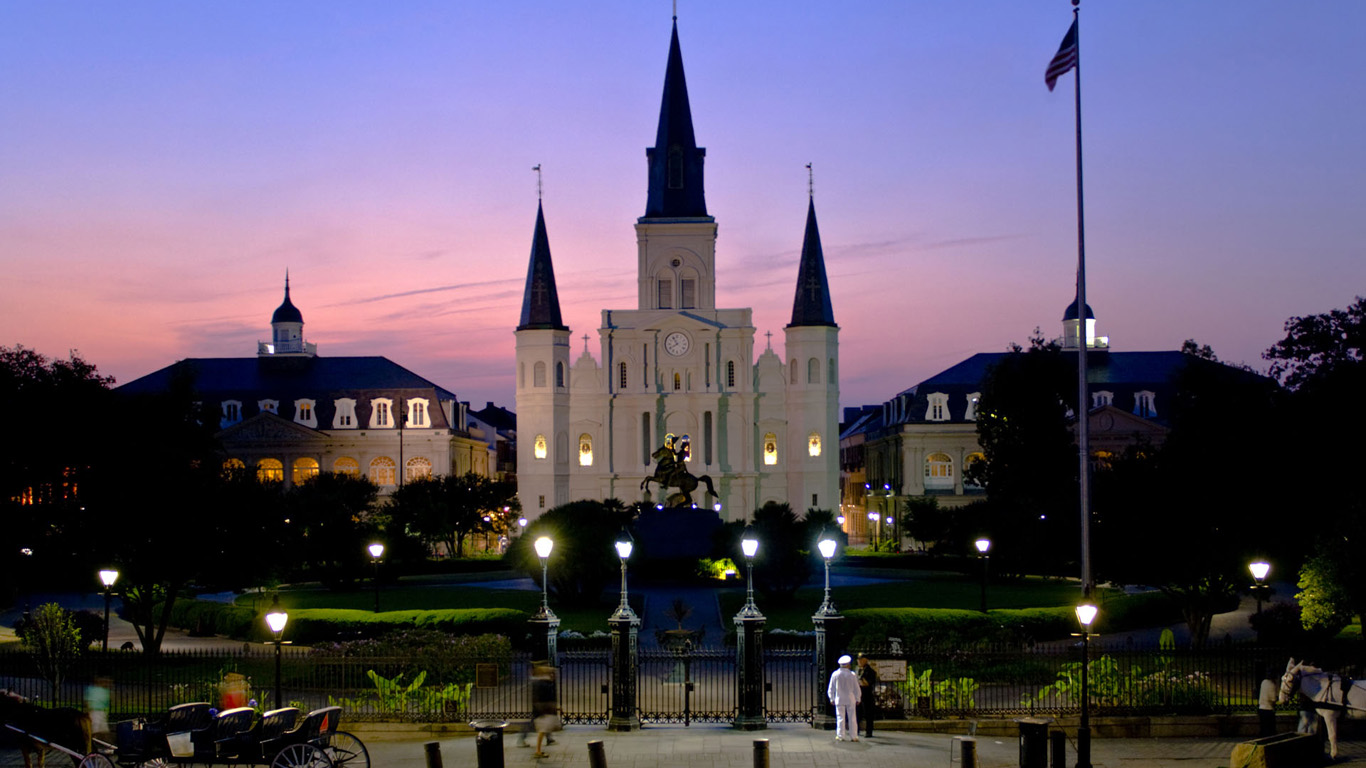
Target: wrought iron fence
[{"x": 673, "y": 686}]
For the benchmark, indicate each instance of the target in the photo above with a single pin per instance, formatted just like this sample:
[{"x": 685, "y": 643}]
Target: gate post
[
  {"x": 625, "y": 663},
  {"x": 828, "y": 626}
]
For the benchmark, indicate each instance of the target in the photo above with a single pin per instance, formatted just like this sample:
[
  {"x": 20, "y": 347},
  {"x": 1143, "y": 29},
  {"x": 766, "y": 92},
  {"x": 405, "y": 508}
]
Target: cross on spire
[
  {"x": 537, "y": 169},
  {"x": 769, "y": 336},
  {"x": 585, "y": 343},
  {"x": 810, "y": 181}
]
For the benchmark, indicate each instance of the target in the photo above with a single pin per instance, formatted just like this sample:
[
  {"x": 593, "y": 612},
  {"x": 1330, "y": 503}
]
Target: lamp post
[
  {"x": 376, "y": 552},
  {"x": 107, "y": 577},
  {"x": 1259, "y": 571},
  {"x": 889, "y": 514},
  {"x": 828, "y": 622},
  {"x": 876, "y": 519},
  {"x": 1086, "y": 613},
  {"x": 276, "y": 620},
  {"x": 749, "y": 648},
  {"x": 983, "y": 544},
  {"x": 28, "y": 580},
  {"x": 625, "y": 631},
  {"x": 546, "y": 616}
]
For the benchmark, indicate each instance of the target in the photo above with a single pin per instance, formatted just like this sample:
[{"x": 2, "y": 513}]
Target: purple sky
[{"x": 163, "y": 163}]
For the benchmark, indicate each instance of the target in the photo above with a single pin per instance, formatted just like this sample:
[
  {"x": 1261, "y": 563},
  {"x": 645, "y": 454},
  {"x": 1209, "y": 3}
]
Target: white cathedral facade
[{"x": 762, "y": 429}]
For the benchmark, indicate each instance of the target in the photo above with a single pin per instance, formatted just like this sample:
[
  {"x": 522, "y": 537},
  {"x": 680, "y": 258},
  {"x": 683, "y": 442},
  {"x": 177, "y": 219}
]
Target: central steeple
[{"x": 675, "y": 160}]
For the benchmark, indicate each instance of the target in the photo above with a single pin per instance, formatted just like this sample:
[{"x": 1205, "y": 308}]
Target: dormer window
[
  {"x": 269, "y": 406},
  {"x": 418, "y": 413},
  {"x": 232, "y": 412},
  {"x": 381, "y": 413},
  {"x": 971, "y": 413},
  {"x": 306, "y": 413},
  {"x": 1144, "y": 404},
  {"x": 345, "y": 417},
  {"x": 939, "y": 407},
  {"x": 1102, "y": 398}
]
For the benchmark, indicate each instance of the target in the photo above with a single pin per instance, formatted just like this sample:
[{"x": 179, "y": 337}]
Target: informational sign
[
  {"x": 889, "y": 670},
  {"x": 486, "y": 675}
]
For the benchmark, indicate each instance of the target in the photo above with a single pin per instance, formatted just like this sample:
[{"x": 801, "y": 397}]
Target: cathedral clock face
[{"x": 677, "y": 344}]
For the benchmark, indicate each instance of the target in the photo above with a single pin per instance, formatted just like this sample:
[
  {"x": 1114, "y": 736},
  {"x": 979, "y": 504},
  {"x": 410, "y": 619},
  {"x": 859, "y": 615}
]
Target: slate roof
[
  {"x": 687, "y": 198},
  {"x": 811, "y": 304},
  {"x": 540, "y": 300}
]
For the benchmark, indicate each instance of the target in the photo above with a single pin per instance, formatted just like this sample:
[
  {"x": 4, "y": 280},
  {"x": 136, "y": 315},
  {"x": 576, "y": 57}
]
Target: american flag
[{"x": 1065, "y": 59}]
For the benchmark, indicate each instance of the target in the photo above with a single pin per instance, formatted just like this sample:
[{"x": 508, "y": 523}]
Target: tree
[
  {"x": 584, "y": 559},
  {"x": 1332, "y": 588},
  {"x": 448, "y": 509},
  {"x": 330, "y": 520},
  {"x": 1320, "y": 348},
  {"x": 926, "y": 522},
  {"x": 51, "y": 637}
]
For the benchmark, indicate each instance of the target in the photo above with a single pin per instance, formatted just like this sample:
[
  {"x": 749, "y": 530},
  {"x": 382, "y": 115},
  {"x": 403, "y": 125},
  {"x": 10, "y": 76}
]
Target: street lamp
[
  {"x": 749, "y": 648},
  {"x": 276, "y": 620},
  {"x": 983, "y": 544},
  {"x": 827, "y": 621},
  {"x": 376, "y": 552},
  {"x": 1086, "y": 613},
  {"x": 546, "y": 616},
  {"x": 107, "y": 577},
  {"x": 625, "y": 630},
  {"x": 839, "y": 520},
  {"x": 28, "y": 580},
  {"x": 1259, "y": 571},
  {"x": 876, "y": 519}
]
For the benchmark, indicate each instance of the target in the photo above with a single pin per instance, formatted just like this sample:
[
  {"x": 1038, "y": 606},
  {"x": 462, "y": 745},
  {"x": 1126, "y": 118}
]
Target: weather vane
[{"x": 537, "y": 169}]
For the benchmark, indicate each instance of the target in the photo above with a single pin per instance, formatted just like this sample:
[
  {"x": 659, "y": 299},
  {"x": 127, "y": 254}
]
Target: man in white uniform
[{"x": 844, "y": 693}]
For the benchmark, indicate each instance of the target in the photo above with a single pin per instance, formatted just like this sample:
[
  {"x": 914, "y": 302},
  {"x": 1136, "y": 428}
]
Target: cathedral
[{"x": 761, "y": 429}]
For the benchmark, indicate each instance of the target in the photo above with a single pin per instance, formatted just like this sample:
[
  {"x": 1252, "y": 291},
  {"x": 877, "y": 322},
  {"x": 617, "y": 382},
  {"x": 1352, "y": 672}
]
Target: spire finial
[
  {"x": 585, "y": 343},
  {"x": 675, "y": 10},
  {"x": 286, "y": 282},
  {"x": 537, "y": 169},
  {"x": 810, "y": 182}
]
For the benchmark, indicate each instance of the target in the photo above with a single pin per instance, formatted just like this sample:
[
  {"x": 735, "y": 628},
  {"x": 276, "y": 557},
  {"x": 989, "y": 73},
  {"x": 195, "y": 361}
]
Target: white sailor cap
[{"x": 845, "y": 659}]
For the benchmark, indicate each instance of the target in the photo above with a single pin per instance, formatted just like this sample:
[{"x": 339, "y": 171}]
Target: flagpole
[{"x": 1083, "y": 402}]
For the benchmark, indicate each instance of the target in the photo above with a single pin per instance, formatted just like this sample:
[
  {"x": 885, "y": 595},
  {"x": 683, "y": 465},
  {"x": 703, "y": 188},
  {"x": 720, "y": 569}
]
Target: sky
[{"x": 162, "y": 164}]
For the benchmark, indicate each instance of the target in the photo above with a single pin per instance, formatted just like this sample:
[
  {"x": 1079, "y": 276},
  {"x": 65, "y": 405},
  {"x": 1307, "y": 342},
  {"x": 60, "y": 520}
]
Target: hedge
[{"x": 313, "y": 625}]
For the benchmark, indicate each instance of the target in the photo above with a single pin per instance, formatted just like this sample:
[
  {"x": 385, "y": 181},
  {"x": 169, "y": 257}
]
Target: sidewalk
[{"x": 799, "y": 746}]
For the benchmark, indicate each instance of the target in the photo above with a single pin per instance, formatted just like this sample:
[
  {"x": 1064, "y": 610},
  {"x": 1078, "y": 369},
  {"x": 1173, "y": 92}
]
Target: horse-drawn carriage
[{"x": 195, "y": 734}]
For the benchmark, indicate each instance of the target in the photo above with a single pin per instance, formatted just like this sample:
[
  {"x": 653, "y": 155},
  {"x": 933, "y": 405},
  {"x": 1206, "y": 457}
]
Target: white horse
[{"x": 1329, "y": 694}]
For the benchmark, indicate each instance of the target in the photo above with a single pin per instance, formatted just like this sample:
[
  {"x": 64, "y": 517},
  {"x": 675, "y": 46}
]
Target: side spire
[
  {"x": 675, "y": 186},
  {"x": 811, "y": 306},
  {"x": 540, "y": 302}
]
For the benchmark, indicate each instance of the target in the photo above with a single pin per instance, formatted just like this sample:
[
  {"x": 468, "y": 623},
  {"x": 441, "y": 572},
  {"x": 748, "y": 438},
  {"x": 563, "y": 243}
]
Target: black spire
[
  {"x": 812, "y": 303},
  {"x": 287, "y": 312},
  {"x": 540, "y": 303},
  {"x": 675, "y": 160}
]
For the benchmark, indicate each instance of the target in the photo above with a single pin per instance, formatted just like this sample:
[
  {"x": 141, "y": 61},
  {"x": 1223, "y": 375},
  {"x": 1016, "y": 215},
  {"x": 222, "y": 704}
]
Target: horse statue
[
  {"x": 1327, "y": 693},
  {"x": 671, "y": 471}
]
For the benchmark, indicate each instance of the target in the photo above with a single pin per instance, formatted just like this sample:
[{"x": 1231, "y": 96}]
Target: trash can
[
  {"x": 488, "y": 742},
  {"x": 1034, "y": 741}
]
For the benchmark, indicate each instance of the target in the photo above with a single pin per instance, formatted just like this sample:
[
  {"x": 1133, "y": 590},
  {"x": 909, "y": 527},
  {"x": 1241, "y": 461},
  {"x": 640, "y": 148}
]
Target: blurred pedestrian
[
  {"x": 1266, "y": 705},
  {"x": 867, "y": 683},
  {"x": 843, "y": 692},
  {"x": 97, "y": 706},
  {"x": 545, "y": 710}
]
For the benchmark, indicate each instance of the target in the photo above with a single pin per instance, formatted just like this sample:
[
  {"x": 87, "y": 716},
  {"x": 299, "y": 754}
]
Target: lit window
[
  {"x": 382, "y": 470},
  {"x": 417, "y": 469},
  {"x": 678, "y": 382},
  {"x": 304, "y": 469},
  {"x": 1144, "y": 404},
  {"x": 305, "y": 412},
  {"x": 270, "y": 471},
  {"x": 813, "y": 444},
  {"x": 542, "y": 502},
  {"x": 268, "y": 406},
  {"x": 938, "y": 471},
  {"x": 345, "y": 417},
  {"x": 417, "y": 413},
  {"x": 939, "y": 407},
  {"x": 585, "y": 450},
  {"x": 968, "y": 463},
  {"x": 539, "y": 447},
  {"x": 232, "y": 467},
  {"x": 538, "y": 375},
  {"x": 971, "y": 413},
  {"x": 232, "y": 412},
  {"x": 770, "y": 449},
  {"x": 381, "y": 415},
  {"x": 346, "y": 466}
]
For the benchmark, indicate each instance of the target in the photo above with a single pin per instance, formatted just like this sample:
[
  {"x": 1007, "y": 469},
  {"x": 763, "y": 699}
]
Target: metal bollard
[
  {"x": 761, "y": 753},
  {"x": 433, "y": 754},
  {"x": 597, "y": 756},
  {"x": 969, "y": 754},
  {"x": 1059, "y": 749}
]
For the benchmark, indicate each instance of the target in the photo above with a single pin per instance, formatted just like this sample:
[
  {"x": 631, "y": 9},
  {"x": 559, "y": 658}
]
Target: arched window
[
  {"x": 521, "y": 375},
  {"x": 304, "y": 469},
  {"x": 706, "y": 437},
  {"x": 539, "y": 448},
  {"x": 538, "y": 375},
  {"x": 621, "y": 375},
  {"x": 971, "y": 413},
  {"x": 232, "y": 467},
  {"x": 813, "y": 444},
  {"x": 968, "y": 462},
  {"x": 585, "y": 450},
  {"x": 380, "y": 416},
  {"x": 678, "y": 382},
  {"x": 938, "y": 471},
  {"x": 559, "y": 375},
  {"x": 346, "y": 466},
  {"x": 771, "y": 446},
  {"x": 305, "y": 412},
  {"x": 269, "y": 406},
  {"x": 730, "y": 374},
  {"x": 270, "y": 471},
  {"x": 647, "y": 448},
  {"x": 232, "y": 413},
  {"x": 382, "y": 470},
  {"x": 813, "y": 371},
  {"x": 417, "y": 413},
  {"x": 418, "y": 468},
  {"x": 792, "y": 376},
  {"x": 345, "y": 415},
  {"x": 938, "y": 409},
  {"x": 666, "y": 293}
]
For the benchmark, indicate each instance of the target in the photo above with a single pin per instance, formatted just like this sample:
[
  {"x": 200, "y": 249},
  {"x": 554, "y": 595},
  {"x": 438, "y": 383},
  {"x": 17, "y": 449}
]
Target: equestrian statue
[{"x": 671, "y": 471}]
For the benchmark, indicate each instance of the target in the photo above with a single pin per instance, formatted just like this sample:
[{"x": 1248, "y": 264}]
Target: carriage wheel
[
  {"x": 95, "y": 760},
  {"x": 301, "y": 756},
  {"x": 156, "y": 762},
  {"x": 347, "y": 750}
]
